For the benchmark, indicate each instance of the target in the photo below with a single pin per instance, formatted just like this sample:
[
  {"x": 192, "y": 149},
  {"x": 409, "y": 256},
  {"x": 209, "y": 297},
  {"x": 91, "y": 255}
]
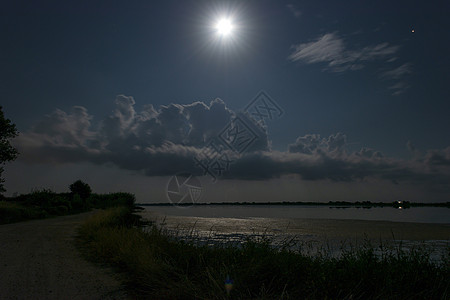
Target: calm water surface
[
  {"x": 309, "y": 227},
  {"x": 415, "y": 214}
]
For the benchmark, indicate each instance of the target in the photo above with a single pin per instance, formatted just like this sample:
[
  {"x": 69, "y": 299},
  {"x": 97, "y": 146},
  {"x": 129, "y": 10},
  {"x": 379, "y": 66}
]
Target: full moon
[{"x": 224, "y": 27}]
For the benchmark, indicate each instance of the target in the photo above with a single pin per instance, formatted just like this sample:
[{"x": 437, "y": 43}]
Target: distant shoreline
[{"x": 341, "y": 204}]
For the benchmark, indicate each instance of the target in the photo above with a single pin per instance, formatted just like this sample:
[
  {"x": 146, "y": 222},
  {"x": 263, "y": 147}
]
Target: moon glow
[{"x": 224, "y": 27}]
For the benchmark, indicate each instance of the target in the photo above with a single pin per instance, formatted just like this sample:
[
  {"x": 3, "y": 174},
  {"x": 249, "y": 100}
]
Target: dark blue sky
[{"x": 353, "y": 67}]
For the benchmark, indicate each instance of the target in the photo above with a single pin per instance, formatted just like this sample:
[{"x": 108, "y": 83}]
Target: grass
[{"x": 158, "y": 266}]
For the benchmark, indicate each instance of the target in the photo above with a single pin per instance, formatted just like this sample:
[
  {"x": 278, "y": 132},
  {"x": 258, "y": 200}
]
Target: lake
[
  {"x": 414, "y": 214},
  {"x": 311, "y": 228}
]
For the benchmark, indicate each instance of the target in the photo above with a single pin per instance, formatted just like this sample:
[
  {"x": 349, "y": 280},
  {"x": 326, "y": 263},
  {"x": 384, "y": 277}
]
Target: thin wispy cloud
[
  {"x": 294, "y": 10},
  {"x": 398, "y": 72},
  {"x": 327, "y": 48},
  {"x": 398, "y": 75},
  {"x": 332, "y": 50},
  {"x": 399, "y": 88}
]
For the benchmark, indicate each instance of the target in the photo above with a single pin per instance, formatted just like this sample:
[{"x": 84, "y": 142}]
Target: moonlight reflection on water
[{"x": 308, "y": 235}]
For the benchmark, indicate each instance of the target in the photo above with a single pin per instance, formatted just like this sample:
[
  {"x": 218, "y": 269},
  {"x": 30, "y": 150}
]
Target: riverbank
[{"x": 160, "y": 266}]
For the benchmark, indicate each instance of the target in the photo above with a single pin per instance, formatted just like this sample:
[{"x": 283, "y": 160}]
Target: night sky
[{"x": 126, "y": 94}]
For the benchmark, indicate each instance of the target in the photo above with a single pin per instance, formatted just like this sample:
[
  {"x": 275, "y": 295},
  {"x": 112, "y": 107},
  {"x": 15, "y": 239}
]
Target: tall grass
[{"x": 158, "y": 266}]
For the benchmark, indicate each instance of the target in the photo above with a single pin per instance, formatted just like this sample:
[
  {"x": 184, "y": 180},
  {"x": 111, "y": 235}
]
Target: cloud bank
[{"x": 165, "y": 141}]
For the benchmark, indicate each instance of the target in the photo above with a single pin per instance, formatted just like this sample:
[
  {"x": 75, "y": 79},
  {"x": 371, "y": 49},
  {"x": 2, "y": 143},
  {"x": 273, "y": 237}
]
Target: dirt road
[{"x": 38, "y": 260}]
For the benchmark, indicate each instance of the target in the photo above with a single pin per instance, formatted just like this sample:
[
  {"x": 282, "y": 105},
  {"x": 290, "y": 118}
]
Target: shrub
[
  {"x": 40, "y": 198},
  {"x": 111, "y": 200},
  {"x": 62, "y": 210},
  {"x": 10, "y": 212},
  {"x": 15, "y": 212},
  {"x": 77, "y": 202},
  {"x": 80, "y": 188}
]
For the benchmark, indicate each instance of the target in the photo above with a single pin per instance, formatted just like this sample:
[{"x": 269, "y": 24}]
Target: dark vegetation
[
  {"x": 157, "y": 265},
  {"x": 45, "y": 203},
  {"x": 8, "y": 131}
]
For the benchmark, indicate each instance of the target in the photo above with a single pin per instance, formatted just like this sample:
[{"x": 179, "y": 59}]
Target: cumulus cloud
[
  {"x": 165, "y": 141},
  {"x": 152, "y": 140},
  {"x": 438, "y": 158},
  {"x": 313, "y": 158},
  {"x": 314, "y": 144},
  {"x": 69, "y": 129},
  {"x": 368, "y": 153}
]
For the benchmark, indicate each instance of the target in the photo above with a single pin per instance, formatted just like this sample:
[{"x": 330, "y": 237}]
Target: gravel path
[{"x": 38, "y": 260}]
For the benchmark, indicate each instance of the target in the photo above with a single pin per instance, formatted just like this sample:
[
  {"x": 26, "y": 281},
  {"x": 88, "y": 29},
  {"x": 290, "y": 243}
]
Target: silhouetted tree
[
  {"x": 8, "y": 131},
  {"x": 80, "y": 188}
]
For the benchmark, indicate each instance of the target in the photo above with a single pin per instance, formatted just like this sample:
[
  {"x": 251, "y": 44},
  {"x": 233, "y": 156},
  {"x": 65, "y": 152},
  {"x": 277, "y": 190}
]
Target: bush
[
  {"x": 10, "y": 212},
  {"x": 80, "y": 188},
  {"x": 14, "y": 212},
  {"x": 44, "y": 203},
  {"x": 111, "y": 200},
  {"x": 40, "y": 198},
  {"x": 62, "y": 210},
  {"x": 59, "y": 200},
  {"x": 77, "y": 202}
]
